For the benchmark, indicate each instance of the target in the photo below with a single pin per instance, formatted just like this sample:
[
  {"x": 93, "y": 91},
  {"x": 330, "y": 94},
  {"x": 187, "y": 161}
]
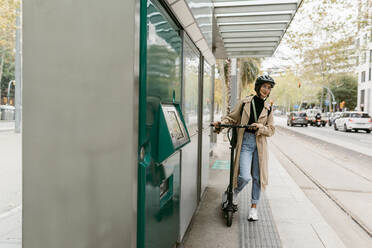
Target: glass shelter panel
[
  {"x": 207, "y": 95},
  {"x": 164, "y": 47},
  {"x": 191, "y": 84}
]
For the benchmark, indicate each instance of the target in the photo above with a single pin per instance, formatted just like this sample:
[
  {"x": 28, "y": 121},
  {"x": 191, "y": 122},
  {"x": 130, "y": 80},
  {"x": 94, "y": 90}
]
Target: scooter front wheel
[{"x": 229, "y": 218}]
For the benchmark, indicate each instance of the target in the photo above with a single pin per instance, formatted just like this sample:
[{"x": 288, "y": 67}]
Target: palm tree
[
  {"x": 249, "y": 70},
  {"x": 227, "y": 81},
  {"x": 224, "y": 69}
]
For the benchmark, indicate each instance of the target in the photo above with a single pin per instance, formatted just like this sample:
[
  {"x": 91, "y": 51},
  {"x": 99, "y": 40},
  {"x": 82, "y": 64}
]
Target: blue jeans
[{"x": 249, "y": 167}]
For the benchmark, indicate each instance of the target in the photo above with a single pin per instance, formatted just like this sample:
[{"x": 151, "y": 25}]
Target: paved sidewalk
[
  {"x": 6, "y": 126},
  {"x": 208, "y": 227},
  {"x": 287, "y": 218},
  {"x": 10, "y": 189},
  {"x": 10, "y": 228}
]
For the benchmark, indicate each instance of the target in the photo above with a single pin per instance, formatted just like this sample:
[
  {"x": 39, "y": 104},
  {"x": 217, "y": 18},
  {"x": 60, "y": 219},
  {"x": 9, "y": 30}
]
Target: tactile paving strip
[{"x": 261, "y": 233}]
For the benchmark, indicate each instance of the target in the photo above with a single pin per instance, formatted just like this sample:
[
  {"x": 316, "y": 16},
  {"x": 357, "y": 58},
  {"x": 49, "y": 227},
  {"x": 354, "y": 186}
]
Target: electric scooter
[{"x": 229, "y": 209}]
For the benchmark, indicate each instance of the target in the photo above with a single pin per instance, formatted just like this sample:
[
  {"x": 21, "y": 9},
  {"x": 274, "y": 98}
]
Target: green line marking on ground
[{"x": 221, "y": 165}]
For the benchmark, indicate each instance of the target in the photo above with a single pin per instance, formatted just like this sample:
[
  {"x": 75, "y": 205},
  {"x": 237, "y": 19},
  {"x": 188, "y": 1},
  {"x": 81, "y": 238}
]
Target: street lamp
[{"x": 333, "y": 97}]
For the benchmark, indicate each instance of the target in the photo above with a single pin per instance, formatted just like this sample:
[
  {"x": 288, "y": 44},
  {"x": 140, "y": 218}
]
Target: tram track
[
  {"x": 326, "y": 192},
  {"x": 332, "y": 160}
]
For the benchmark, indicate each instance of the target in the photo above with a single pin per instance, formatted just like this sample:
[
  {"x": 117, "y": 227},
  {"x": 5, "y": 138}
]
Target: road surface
[{"x": 337, "y": 179}]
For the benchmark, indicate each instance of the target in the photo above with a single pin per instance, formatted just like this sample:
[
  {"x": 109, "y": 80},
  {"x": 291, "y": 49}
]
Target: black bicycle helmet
[
  {"x": 261, "y": 80},
  {"x": 265, "y": 79}
]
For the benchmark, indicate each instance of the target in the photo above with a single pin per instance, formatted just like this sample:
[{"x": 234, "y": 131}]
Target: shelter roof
[{"x": 252, "y": 28}]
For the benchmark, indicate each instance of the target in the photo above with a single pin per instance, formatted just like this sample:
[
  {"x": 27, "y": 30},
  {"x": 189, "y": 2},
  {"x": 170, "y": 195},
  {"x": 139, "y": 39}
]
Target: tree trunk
[
  {"x": 1, "y": 65},
  {"x": 1, "y": 73},
  {"x": 227, "y": 73}
]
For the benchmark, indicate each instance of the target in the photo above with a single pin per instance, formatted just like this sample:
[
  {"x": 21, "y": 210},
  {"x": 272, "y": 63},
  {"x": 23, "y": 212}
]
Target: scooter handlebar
[{"x": 232, "y": 126}]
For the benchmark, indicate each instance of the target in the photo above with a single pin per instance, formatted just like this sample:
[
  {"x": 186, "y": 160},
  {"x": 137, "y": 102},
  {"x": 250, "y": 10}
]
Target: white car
[{"x": 349, "y": 121}]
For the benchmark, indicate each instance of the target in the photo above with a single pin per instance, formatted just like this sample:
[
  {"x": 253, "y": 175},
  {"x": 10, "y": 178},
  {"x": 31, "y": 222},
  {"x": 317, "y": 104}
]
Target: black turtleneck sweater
[{"x": 259, "y": 103}]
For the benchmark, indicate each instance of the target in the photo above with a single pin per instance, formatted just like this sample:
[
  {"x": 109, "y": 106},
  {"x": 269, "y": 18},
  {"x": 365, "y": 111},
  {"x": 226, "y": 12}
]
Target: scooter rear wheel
[{"x": 229, "y": 218}]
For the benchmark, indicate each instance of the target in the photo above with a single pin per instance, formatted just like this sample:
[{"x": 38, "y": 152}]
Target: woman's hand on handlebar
[
  {"x": 217, "y": 127},
  {"x": 251, "y": 127},
  {"x": 257, "y": 125}
]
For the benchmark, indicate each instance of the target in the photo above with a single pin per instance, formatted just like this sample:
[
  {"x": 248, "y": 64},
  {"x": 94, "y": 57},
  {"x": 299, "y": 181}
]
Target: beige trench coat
[{"x": 266, "y": 130}]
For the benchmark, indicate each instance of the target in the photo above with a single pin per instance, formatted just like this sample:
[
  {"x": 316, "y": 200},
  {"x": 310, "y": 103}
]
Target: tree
[
  {"x": 324, "y": 43},
  {"x": 325, "y": 40},
  {"x": 345, "y": 88},
  {"x": 7, "y": 74},
  {"x": 227, "y": 80},
  {"x": 218, "y": 94},
  {"x": 7, "y": 40},
  {"x": 249, "y": 70},
  {"x": 364, "y": 14},
  {"x": 287, "y": 93}
]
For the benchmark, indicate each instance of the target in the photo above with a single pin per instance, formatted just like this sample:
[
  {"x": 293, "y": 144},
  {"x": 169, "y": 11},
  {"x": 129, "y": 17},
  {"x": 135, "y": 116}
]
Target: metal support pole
[
  {"x": 213, "y": 135},
  {"x": 18, "y": 74},
  {"x": 200, "y": 126},
  {"x": 321, "y": 100},
  {"x": 234, "y": 83},
  {"x": 213, "y": 86},
  {"x": 329, "y": 102}
]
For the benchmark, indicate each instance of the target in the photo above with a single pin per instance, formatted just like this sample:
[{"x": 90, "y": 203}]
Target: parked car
[
  {"x": 297, "y": 118},
  {"x": 349, "y": 121}
]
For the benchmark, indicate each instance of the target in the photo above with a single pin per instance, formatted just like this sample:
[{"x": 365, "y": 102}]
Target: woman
[{"x": 251, "y": 151}]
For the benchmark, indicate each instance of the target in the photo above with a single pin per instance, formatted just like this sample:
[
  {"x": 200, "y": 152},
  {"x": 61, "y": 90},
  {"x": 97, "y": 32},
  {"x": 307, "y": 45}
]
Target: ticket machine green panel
[
  {"x": 159, "y": 156},
  {"x": 172, "y": 133}
]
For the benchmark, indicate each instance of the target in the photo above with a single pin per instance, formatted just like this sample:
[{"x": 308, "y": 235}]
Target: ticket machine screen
[{"x": 176, "y": 127}]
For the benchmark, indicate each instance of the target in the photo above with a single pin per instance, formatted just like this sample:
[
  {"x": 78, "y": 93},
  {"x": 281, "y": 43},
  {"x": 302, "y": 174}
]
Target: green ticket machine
[
  {"x": 159, "y": 191},
  {"x": 171, "y": 133},
  {"x": 162, "y": 129}
]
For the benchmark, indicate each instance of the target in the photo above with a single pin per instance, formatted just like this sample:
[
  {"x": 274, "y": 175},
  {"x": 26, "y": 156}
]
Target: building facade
[{"x": 364, "y": 55}]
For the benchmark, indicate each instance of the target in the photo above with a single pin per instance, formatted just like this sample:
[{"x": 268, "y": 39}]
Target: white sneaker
[{"x": 253, "y": 215}]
